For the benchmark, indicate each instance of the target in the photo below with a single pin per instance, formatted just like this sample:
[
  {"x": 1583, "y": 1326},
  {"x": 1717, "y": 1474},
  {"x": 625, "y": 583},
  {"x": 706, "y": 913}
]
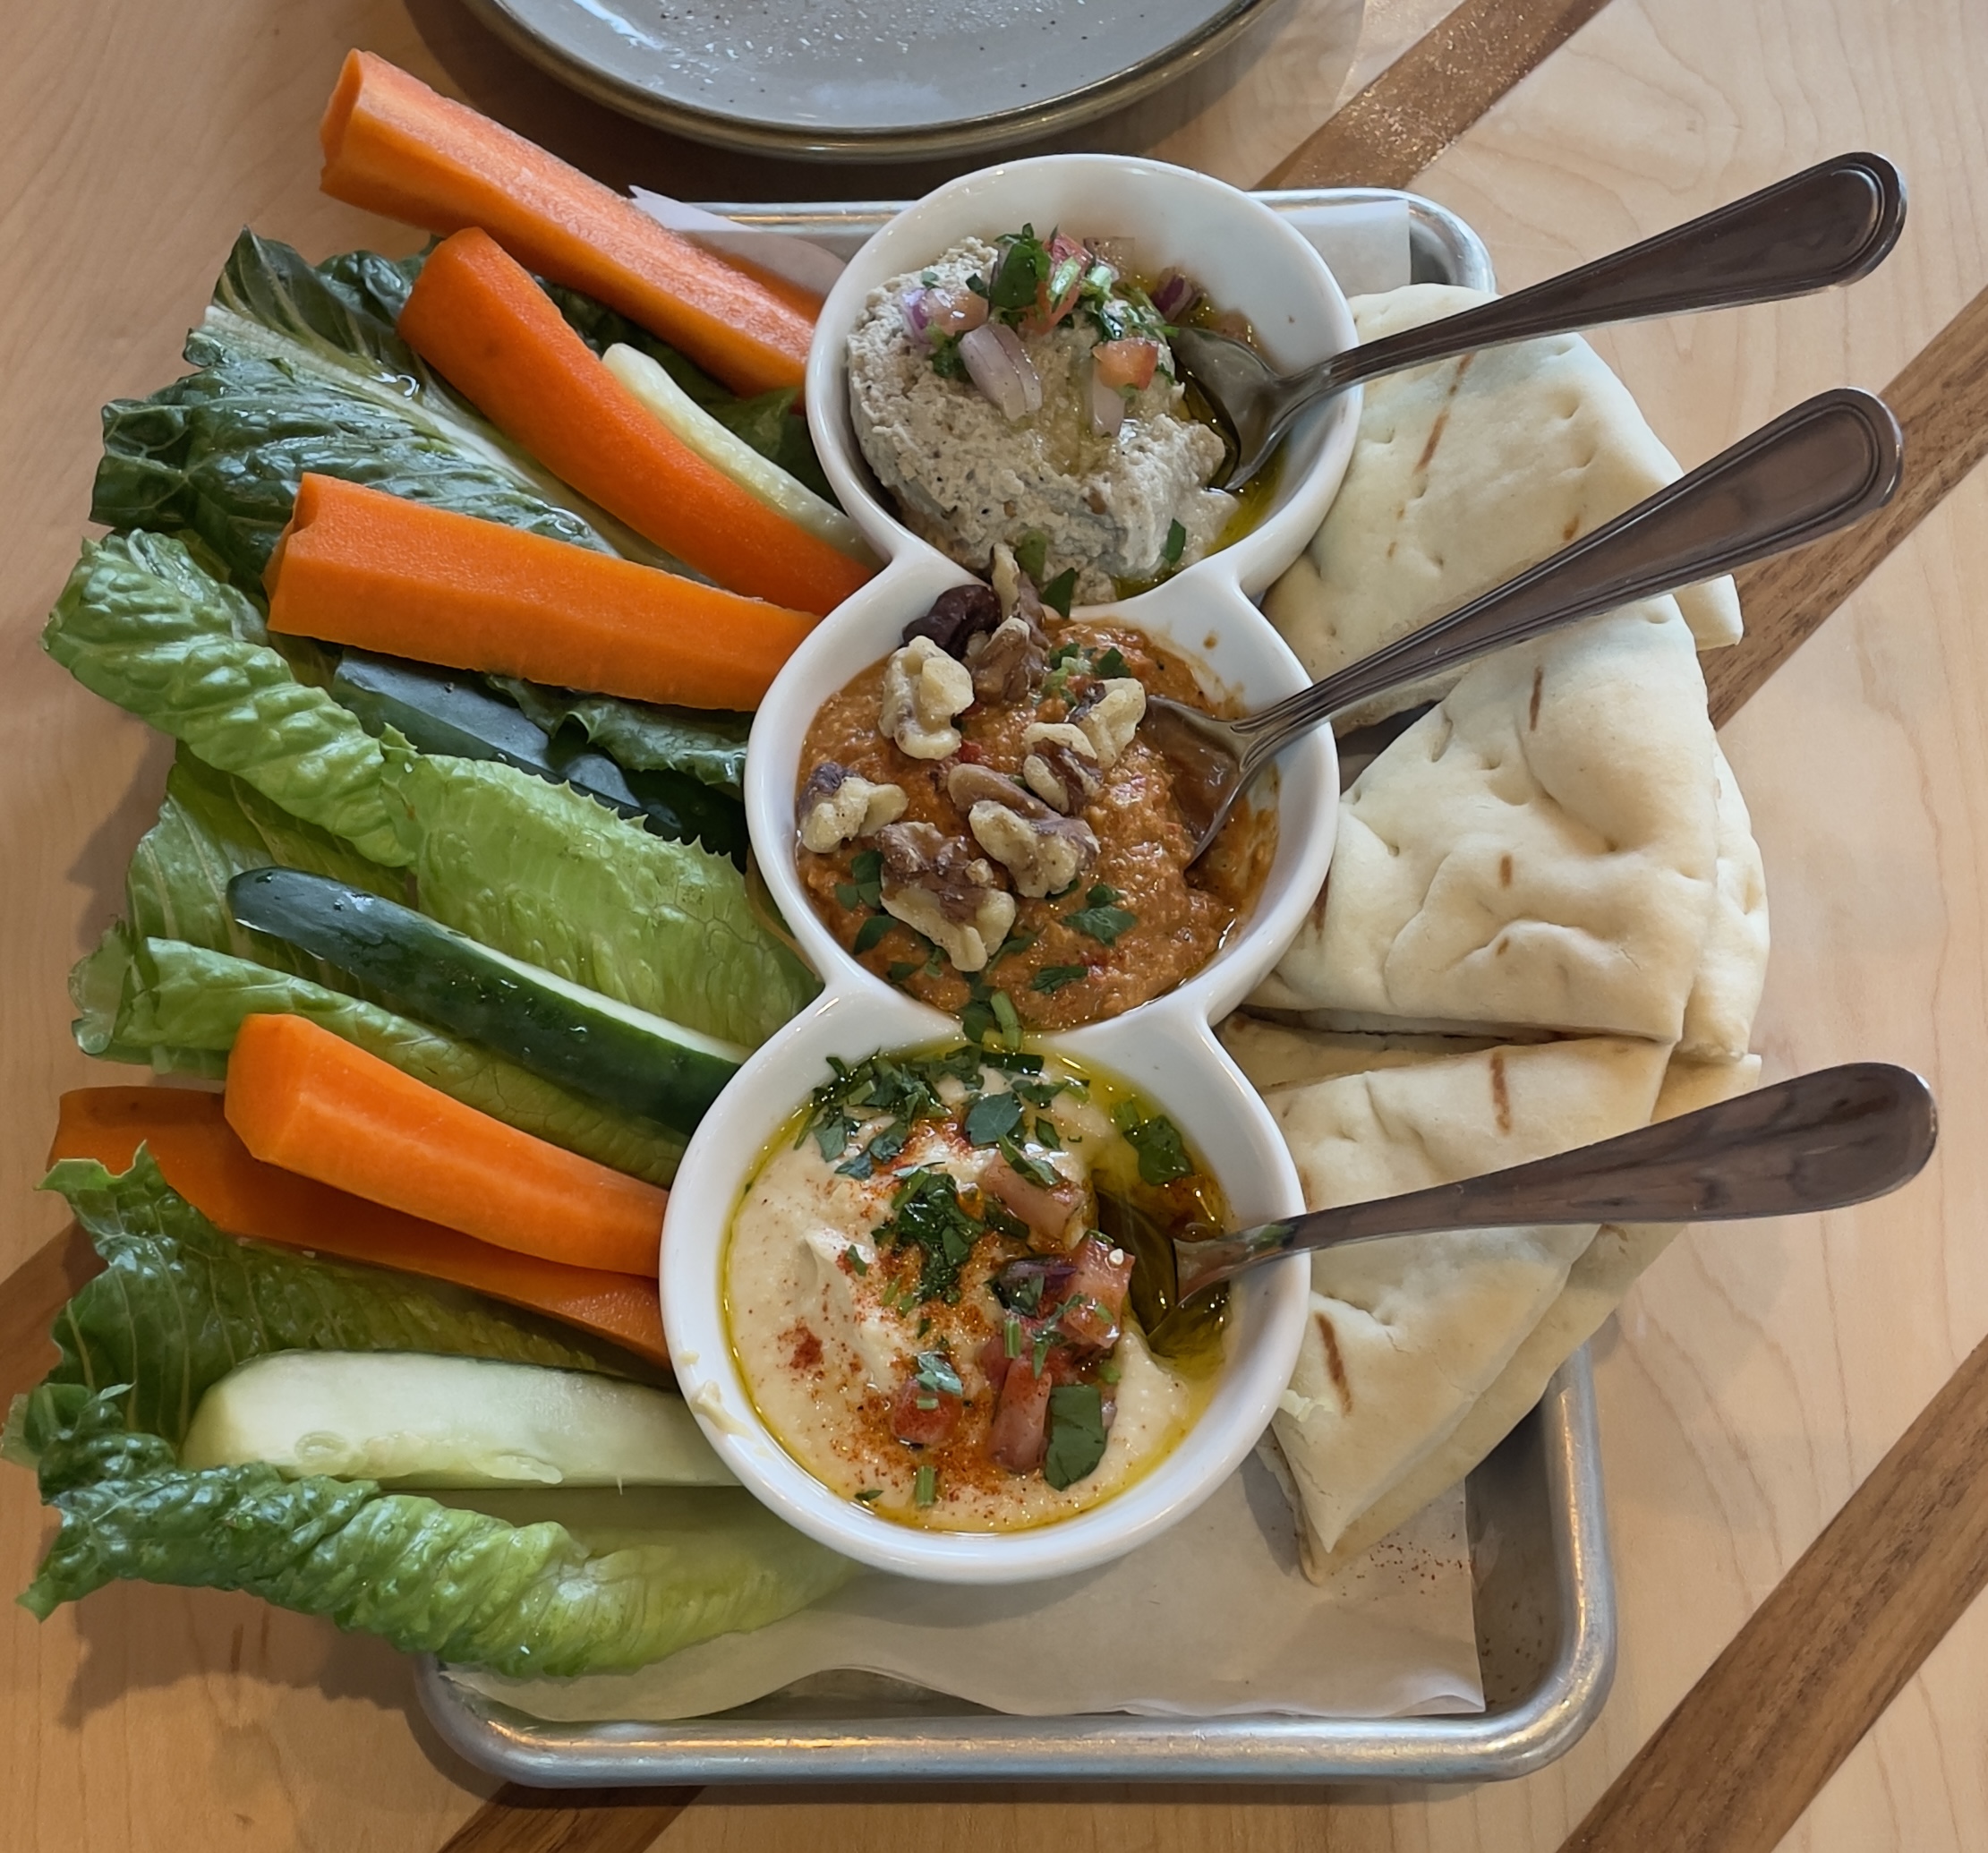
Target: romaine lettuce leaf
[
  {"x": 661, "y": 926},
  {"x": 555, "y": 1582},
  {"x": 302, "y": 370},
  {"x": 179, "y": 1007},
  {"x": 678, "y": 1566},
  {"x": 143, "y": 623},
  {"x": 707, "y": 744},
  {"x": 180, "y": 1305}
]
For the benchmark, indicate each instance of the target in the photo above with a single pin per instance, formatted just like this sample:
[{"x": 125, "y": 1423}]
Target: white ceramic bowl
[{"x": 1251, "y": 260}]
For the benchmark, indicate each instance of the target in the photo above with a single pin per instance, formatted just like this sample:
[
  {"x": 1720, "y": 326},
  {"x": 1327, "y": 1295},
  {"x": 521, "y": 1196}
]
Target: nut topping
[
  {"x": 1109, "y": 721},
  {"x": 1061, "y": 766},
  {"x": 1007, "y": 665},
  {"x": 958, "y": 615},
  {"x": 923, "y": 689},
  {"x": 1043, "y": 855},
  {"x": 938, "y": 887},
  {"x": 837, "y": 804}
]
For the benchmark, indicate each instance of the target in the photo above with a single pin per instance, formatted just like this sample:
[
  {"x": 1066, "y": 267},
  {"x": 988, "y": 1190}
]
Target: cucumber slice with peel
[
  {"x": 416, "y": 1419},
  {"x": 547, "y": 1024}
]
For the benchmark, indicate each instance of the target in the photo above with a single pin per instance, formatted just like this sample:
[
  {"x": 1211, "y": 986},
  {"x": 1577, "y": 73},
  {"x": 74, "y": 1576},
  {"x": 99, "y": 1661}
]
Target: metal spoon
[
  {"x": 1832, "y": 224},
  {"x": 1820, "y": 1141},
  {"x": 1830, "y": 461}
]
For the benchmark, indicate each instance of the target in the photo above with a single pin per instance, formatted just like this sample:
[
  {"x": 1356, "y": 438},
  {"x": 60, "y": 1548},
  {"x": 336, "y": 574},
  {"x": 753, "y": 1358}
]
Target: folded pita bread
[
  {"x": 1405, "y": 1334},
  {"x": 1465, "y": 473},
  {"x": 1273, "y": 1055},
  {"x": 1596, "y": 1282},
  {"x": 1732, "y": 963},
  {"x": 1537, "y": 852}
]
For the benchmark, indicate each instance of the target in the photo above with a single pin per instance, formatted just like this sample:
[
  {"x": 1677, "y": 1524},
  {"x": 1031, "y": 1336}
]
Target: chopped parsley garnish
[
  {"x": 1014, "y": 943},
  {"x": 903, "y": 1090},
  {"x": 1108, "y": 1372},
  {"x": 1069, "y": 650},
  {"x": 1075, "y": 1434},
  {"x": 929, "y": 277},
  {"x": 1004, "y": 1014},
  {"x": 946, "y": 360},
  {"x": 1039, "y": 1093},
  {"x": 1010, "y": 1333},
  {"x": 871, "y": 931},
  {"x": 1059, "y": 592},
  {"x": 847, "y": 897},
  {"x": 1032, "y": 555},
  {"x": 854, "y": 1257},
  {"x": 1112, "y": 664},
  {"x": 925, "y": 1486},
  {"x": 869, "y": 1493},
  {"x": 1042, "y": 1129},
  {"x": 866, "y": 872},
  {"x": 1176, "y": 544},
  {"x": 1022, "y": 1294},
  {"x": 1163, "y": 1157},
  {"x": 992, "y": 1117},
  {"x": 927, "y": 1214},
  {"x": 1052, "y": 979},
  {"x": 902, "y": 968},
  {"x": 1043, "y": 1340},
  {"x": 1043, "y": 1176},
  {"x": 1021, "y": 268},
  {"x": 1103, "y": 921}
]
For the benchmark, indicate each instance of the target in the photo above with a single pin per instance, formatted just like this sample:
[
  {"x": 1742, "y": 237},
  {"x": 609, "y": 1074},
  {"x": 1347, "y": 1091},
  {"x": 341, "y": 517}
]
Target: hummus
[
  {"x": 888, "y": 1379},
  {"x": 1112, "y": 506}
]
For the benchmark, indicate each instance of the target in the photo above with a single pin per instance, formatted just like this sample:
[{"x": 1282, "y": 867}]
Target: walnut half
[
  {"x": 923, "y": 689},
  {"x": 1042, "y": 852},
  {"x": 1060, "y": 765},
  {"x": 1111, "y": 720},
  {"x": 937, "y": 886},
  {"x": 837, "y": 804}
]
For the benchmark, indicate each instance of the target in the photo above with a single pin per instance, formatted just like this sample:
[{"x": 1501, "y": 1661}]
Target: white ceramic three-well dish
[{"x": 1249, "y": 259}]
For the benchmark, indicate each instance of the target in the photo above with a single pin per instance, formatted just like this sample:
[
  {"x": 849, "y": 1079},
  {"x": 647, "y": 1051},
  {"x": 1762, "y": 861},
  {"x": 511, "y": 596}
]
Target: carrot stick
[
  {"x": 476, "y": 315},
  {"x": 308, "y": 1101},
  {"x": 205, "y": 1161},
  {"x": 368, "y": 570},
  {"x": 392, "y": 145}
]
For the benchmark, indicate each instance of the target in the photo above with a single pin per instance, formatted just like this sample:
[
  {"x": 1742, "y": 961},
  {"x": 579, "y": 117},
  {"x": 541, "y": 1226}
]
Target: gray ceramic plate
[{"x": 876, "y": 79}]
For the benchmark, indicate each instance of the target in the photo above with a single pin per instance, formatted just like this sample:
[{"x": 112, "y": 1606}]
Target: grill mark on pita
[
  {"x": 1572, "y": 528},
  {"x": 1442, "y": 417},
  {"x": 1504, "y": 870},
  {"x": 1501, "y": 1094},
  {"x": 1538, "y": 689},
  {"x": 1335, "y": 1365}
]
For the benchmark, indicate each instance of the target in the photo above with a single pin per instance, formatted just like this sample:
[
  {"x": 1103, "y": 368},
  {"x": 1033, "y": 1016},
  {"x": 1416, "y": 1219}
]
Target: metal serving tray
[{"x": 1545, "y": 1598}]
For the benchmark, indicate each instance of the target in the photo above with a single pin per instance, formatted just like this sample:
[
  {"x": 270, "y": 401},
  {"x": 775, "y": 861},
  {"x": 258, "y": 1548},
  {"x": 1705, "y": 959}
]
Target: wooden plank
[
  {"x": 1432, "y": 93},
  {"x": 1752, "y": 1743},
  {"x": 588, "y": 1821},
  {"x": 1941, "y": 403}
]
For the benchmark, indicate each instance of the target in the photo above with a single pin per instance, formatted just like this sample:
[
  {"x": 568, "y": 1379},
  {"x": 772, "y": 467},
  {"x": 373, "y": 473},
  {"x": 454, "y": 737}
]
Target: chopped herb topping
[
  {"x": 1176, "y": 544},
  {"x": 992, "y": 1117},
  {"x": 1011, "y": 1331},
  {"x": 1020, "y": 268},
  {"x": 870, "y": 1493},
  {"x": 871, "y": 931},
  {"x": 1052, "y": 979},
  {"x": 1059, "y": 592},
  {"x": 1042, "y": 1129},
  {"x": 854, "y": 1257},
  {"x": 1043, "y": 1176},
  {"x": 1113, "y": 665},
  {"x": 1004, "y": 1014},
  {"x": 1075, "y": 1434},
  {"x": 925, "y": 1487},
  {"x": 1032, "y": 555},
  {"x": 1163, "y": 1157},
  {"x": 935, "y": 1375},
  {"x": 927, "y": 1214},
  {"x": 1105, "y": 923},
  {"x": 946, "y": 360},
  {"x": 866, "y": 871}
]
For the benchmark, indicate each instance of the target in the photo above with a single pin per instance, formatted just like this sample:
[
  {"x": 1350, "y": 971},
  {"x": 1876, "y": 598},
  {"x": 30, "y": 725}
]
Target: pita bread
[
  {"x": 1595, "y": 1285},
  {"x": 1537, "y": 852},
  {"x": 1405, "y": 1334},
  {"x": 1271, "y": 1055},
  {"x": 1465, "y": 473},
  {"x": 1732, "y": 963}
]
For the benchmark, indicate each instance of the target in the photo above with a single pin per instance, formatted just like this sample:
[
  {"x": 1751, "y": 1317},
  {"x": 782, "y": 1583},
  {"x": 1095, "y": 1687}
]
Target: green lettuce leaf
[
  {"x": 144, "y": 623},
  {"x": 662, "y": 925},
  {"x": 301, "y": 369},
  {"x": 705, "y": 744},
  {"x": 179, "y": 1007},
  {"x": 553, "y": 1583},
  {"x": 180, "y": 1304},
  {"x": 538, "y": 1597}
]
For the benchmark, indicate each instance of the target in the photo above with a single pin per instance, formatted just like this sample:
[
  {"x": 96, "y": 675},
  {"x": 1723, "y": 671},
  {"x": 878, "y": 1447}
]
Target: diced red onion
[
  {"x": 1108, "y": 407},
  {"x": 914, "y": 306},
  {"x": 999, "y": 365},
  {"x": 1174, "y": 294}
]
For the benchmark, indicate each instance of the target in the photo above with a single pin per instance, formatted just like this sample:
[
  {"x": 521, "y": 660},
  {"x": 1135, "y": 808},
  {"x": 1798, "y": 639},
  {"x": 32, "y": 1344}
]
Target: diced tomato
[
  {"x": 1100, "y": 1278},
  {"x": 1019, "y": 1435},
  {"x": 1068, "y": 259},
  {"x": 1129, "y": 361},
  {"x": 911, "y": 1422},
  {"x": 1047, "y": 1212}
]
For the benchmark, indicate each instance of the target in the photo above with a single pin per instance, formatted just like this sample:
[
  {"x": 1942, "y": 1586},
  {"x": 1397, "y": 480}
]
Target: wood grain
[
  {"x": 29, "y": 1299},
  {"x": 1941, "y": 403},
  {"x": 592, "y": 1821},
  {"x": 1432, "y": 93},
  {"x": 1752, "y": 1743}
]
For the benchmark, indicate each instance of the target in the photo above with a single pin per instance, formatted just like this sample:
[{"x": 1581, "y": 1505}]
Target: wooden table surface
[{"x": 1749, "y": 1384}]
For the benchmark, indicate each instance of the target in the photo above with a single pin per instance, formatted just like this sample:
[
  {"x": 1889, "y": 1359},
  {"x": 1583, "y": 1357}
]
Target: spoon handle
[
  {"x": 1829, "y": 462},
  {"x": 1820, "y": 1141},
  {"x": 1831, "y": 224}
]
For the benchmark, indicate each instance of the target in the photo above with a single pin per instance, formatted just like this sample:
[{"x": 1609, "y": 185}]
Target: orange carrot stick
[
  {"x": 392, "y": 145},
  {"x": 208, "y": 1165},
  {"x": 308, "y": 1101},
  {"x": 366, "y": 569},
  {"x": 476, "y": 315}
]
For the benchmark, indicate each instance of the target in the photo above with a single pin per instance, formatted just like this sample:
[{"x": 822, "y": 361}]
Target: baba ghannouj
[
  {"x": 938, "y": 1287},
  {"x": 1022, "y": 392}
]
